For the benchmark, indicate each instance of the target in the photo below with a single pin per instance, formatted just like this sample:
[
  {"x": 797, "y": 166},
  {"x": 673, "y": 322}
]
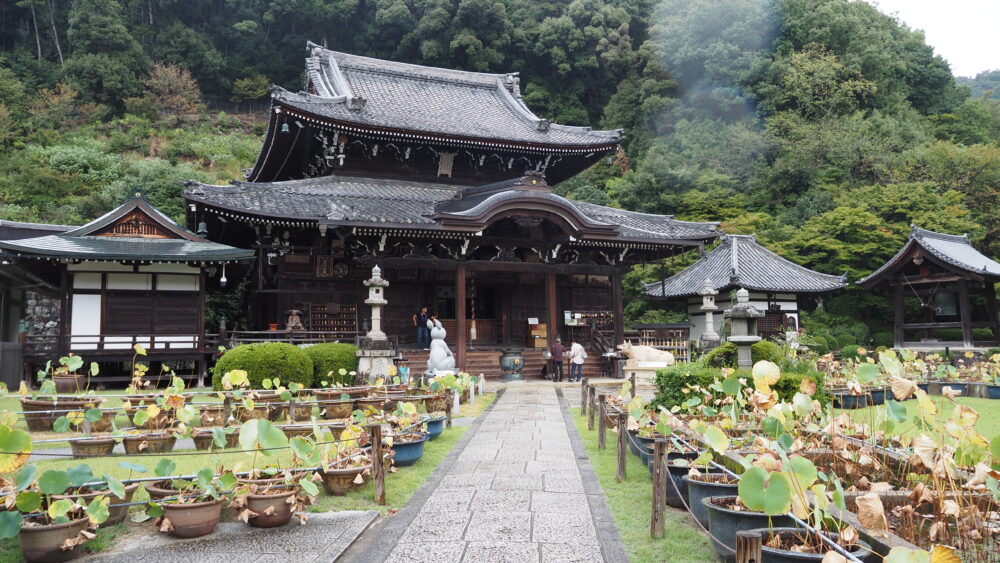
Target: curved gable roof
[
  {"x": 953, "y": 250},
  {"x": 741, "y": 262}
]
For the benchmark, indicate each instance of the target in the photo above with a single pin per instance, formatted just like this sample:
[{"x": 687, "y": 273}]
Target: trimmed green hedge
[
  {"x": 266, "y": 360},
  {"x": 850, "y": 352},
  {"x": 332, "y": 357},
  {"x": 724, "y": 355},
  {"x": 671, "y": 381}
]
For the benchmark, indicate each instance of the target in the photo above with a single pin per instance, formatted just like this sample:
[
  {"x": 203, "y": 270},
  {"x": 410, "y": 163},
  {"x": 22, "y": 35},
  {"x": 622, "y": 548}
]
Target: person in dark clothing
[
  {"x": 556, "y": 362},
  {"x": 423, "y": 333}
]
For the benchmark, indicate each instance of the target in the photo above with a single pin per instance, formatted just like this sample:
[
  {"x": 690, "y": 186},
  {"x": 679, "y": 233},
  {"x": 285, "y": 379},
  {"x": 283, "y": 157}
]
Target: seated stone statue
[{"x": 294, "y": 321}]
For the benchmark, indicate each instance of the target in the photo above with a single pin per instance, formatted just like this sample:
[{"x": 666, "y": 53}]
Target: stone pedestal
[
  {"x": 376, "y": 352},
  {"x": 743, "y": 320}
]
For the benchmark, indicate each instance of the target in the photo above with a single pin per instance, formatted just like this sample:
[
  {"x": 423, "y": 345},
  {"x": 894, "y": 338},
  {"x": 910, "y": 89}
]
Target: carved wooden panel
[{"x": 135, "y": 224}]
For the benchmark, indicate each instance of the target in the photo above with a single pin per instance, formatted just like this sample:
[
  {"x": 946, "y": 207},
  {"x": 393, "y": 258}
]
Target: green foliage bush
[
  {"x": 332, "y": 357},
  {"x": 724, "y": 355},
  {"x": 846, "y": 340},
  {"x": 850, "y": 352},
  {"x": 882, "y": 339},
  {"x": 671, "y": 382},
  {"x": 266, "y": 360}
]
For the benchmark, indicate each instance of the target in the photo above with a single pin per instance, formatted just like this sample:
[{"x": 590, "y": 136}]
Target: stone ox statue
[{"x": 646, "y": 354}]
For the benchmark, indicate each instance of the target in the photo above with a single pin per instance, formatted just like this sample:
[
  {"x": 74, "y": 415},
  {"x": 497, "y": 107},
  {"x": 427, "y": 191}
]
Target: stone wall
[{"x": 41, "y": 314}]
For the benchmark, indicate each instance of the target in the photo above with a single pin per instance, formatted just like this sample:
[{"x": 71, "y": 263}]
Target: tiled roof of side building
[
  {"x": 363, "y": 201},
  {"x": 399, "y": 96},
  {"x": 739, "y": 261},
  {"x": 955, "y": 250}
]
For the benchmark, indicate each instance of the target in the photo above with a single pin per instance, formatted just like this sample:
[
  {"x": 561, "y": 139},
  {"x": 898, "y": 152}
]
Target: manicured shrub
[
  {"x": 671, "y": 382},
  {"x": 845, "y": 340},
  {"x": 332, "y": 357},
  {"x": 820, "y": 345},
  {"x": 882, "y": 339},
  {"x": 850, "y": 352},
  {"x": 790, "y": 382},
  {"x": 266, "y": 360},
  {"x": 765, "y": 350}
]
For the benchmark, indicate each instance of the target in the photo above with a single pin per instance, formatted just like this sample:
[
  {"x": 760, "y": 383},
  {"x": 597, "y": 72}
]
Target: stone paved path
[{"x": 515, "y": 493}]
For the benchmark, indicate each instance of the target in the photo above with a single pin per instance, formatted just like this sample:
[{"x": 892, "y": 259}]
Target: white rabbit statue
[{"x": 440, "y": 358}]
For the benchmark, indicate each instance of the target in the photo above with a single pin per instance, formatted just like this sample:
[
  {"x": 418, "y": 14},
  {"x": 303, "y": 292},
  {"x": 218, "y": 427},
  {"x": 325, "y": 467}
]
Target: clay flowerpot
[
  {"x": 42, "y": 421},
  {"x": 70, "y": 383},
  {"x": 116, "y": 514},
  {"x": 92, "y": 447},
  {"x": 195, "y": 519},
  {"x": 435, "y": 427},
  {"x": 259, "y": 411},
  {"x": 438, "y": 403},
  {"x": 335, "y": 409},
  {"x": 161, "y": 489},
  {"x": 204, "y": 440},
  {"x": 723, "y": 523},
  {"x": 371, "y": 403},
  {"x": 281, "y": 514},
  {"x": 211, "y": 415},
  {"x": 44, "y": 543},
  {"x": 292, "y": 430},
  {"x": 303, "y": 410},
  {"x": 149, "y": 443},
  {"x": 338, "y": 481}
]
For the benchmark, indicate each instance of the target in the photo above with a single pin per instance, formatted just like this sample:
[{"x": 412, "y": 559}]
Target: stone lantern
[
  {"x": 376, "y": 351},
  {"x": 743, "y": 320},
  {"x": 710, "y": 338}
]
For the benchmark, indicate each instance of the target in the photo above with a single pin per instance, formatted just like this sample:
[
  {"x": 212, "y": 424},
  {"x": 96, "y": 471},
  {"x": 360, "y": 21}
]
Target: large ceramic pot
[
  {"x": 512, "y": 365},
  {"x": 641, "y": 446},
  {"x": 42, "y": 421},
  {"x": 212, "y": 415},
  {"x": 435, "y": 427},
  {"x": 408, "y": 453},
  {"x": 861, "y": 550},
  {"x": 303, "y": 409},
  {"x": 92, "y": 447},
  {"x": 723, "y": 523},
  {"x": 272, "y": 510},
  {"x": 204, "y": 440},
  {"x": 704, "y": 486},
  {"x": 154, "y": 443},
  {"x": 195, "y": 519},
  {"x": 116, "y": 514},
  {"x": 437, "y": 403},
  {"x": 70, "y": 383},
  {"x": 293, "y": 430},
  {"x": 160, "y": 490},
  {"x": 44, "y": 543},
  {"x": 877, "y": 396},
  {"x": 843, "y": 399},
  {"x": 337, "y": 409},
  {"x": 371, "y": 403},
  {"x": 338, "y": 481},
  {"x": 261, "y": 411}
]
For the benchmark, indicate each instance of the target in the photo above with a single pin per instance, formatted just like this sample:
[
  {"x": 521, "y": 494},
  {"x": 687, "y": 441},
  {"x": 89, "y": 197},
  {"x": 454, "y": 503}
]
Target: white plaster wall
[
  {"x": 86, "y": 320},
  {"x": 175, "y": 282}
]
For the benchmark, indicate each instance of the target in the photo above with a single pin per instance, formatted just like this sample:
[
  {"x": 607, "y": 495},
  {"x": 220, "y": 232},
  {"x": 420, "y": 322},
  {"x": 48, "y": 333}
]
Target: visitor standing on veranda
[
  {"x": 577, "y": 355},
  {"x": 556, "y": 362},
  {"x": 423, "y": 333}
]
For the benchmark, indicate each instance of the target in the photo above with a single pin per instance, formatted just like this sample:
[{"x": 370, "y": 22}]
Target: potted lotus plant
[
  {"x": 344, "y": 463},
  {"x": 45, "y": 401},
  {"x": 271, "y": 499},
  {"x": 195, "y": 508},
  {"x": 408, "y": 437}
]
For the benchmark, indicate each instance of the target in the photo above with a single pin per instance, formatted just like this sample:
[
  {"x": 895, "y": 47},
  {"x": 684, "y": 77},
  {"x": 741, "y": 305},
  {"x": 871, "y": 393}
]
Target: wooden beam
[
  {"x": 551, "y": 308},
  {"x": 965, "y": 312},
  {"x": 460, "y": 328},
  {"x": 898, "y": 316},
  {"x": 992, "y": 312}
]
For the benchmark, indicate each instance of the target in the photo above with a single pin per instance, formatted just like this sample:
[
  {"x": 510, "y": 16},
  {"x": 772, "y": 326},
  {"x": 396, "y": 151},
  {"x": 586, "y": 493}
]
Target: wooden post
[
  {"x": 748, "y": 545},
  {"x": 447, "y": 411},
  {"x": 659, "y": 488},
  {"x": 898, "y": 316},
  {"x": 965, "y": 312},
  {"x": 378, "y": 470},
  {"x": 291, "y": 410},
  {"x": 227, "y": 409},
  {"x": 602, "y": 424},
  {"x": 622, "y": 445},
  {"x": 632, "y": 380},
  {"x": 592, "y": 407},
  {"x": 991, "y": 310},
  {"x": 460, "y": 324},
  {"x": 551, "y": 308},
  {"x": 583, "y": 396},
  {"x": 618, "y": 305}
]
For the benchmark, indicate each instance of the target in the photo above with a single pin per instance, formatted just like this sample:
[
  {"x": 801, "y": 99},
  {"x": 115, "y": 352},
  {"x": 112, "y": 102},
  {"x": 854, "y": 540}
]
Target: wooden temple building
[
  {"x": 777, "y": 286},
  {"x": 442, "y": 178},
  {"x": 941, "y": 285}
]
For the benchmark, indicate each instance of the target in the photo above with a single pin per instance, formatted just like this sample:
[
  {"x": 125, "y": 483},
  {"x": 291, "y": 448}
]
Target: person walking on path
[
  {"x": 556, "y": 361},
  {"x": 577, "y": 355},
  {"x": 423, "y": 333}
]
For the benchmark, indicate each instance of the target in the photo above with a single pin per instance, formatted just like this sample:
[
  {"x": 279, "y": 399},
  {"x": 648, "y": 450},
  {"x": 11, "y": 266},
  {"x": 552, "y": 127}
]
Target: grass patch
[
  {"x": 987, "y": 425},
  {"x": 399, "y": 486},
  {"x": 482, "y": 401},
  {"x": 631, "y": 504}
]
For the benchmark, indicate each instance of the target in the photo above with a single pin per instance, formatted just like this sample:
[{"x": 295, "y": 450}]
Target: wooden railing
[
  {"x": 50, "y": 346},
  {"x": 291, "y": 336}
]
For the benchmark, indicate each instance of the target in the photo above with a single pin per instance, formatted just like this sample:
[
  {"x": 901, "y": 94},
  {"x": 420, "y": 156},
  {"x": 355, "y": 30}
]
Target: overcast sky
[{"x": 964, "y": 32}]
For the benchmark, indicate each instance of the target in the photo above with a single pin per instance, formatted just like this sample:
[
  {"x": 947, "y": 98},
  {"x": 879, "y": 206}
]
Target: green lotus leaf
[
  {"x": 763, "y": 492},
  {"x": 53, "y": 482}
]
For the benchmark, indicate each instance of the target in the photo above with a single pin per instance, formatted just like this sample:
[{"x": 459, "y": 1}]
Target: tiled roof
[
  {"x": 399, "y": 96},
  {"x": 80, "y": 242},
  {"x": 14, "y": 230},
  {"x": 950, "y": 249},
  {"x": 739, "y": 261},
  {"x": 362, "y": 201}
]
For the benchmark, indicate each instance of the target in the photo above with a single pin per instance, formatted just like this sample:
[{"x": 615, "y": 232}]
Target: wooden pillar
[
  {"x": 622, "y": 445},
  {"x": 65, "y": 314},
  {"x": 659, "y": 488},
  {"x": 602, "y": 421},
  {"x": 378, "y": 470},
  {"x": 460, "y": 328},
  {"x": 965, "y": 312},
  {"x": 551, "y": 308},
  {"x": 898, "y": 307},
  {"x": 991, "y": 309},
  {"x": 617, "y": 302}
]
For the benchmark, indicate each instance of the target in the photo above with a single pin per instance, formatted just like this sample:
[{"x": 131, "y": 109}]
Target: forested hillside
[{"x": 823, "y": 126}]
